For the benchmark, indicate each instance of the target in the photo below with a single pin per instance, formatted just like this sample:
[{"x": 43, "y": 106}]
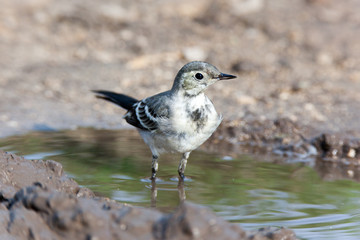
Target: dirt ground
[{"x": 294, "y": 59}]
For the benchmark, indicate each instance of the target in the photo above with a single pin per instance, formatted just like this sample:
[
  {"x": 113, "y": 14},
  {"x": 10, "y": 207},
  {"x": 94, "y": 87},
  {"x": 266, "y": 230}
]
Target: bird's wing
[{"x": 146, "y": 113}]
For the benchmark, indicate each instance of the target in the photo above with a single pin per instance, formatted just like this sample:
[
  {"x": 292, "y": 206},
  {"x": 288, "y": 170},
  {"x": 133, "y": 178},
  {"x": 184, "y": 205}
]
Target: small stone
[
  {"x": 194, "y": 53},
  {"x": 284, "y": 95},
  {"x": 186, "y": 8},
  {"x": 246, "y": 100},
  {"x": 116, "y": 13},
  {"x": 123, "y": 227},
  {"x": 324, "y": 58},
  {"x": 334, "y": 152},
  {"x": 351, "y": 153},
  {"x": 241, "y": 7},
  {"x": 309, "y": 107}
]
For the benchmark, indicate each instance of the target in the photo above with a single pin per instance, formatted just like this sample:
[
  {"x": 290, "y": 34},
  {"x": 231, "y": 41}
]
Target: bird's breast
[
  {"x": 191, "y": 123},
  {"x": 194, "y": 115}
]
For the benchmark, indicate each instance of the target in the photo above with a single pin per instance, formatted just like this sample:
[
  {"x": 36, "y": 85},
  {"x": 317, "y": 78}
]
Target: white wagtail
[{"x": 178, "y": 120}]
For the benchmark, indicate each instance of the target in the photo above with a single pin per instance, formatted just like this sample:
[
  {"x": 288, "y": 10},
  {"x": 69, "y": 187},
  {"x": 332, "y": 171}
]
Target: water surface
[{"x": 249, "y": 190}]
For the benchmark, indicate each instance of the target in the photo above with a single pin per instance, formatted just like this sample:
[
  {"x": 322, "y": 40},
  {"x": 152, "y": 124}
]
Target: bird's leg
[
  {"x": 153, "y": 193},
  {"x": 154, "y": 166},
  {"x": 181, "y": 191},
  {"x": 182, "y": 165}
]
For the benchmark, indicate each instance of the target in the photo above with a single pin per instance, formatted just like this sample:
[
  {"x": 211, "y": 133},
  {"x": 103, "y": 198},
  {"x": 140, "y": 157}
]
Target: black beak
[{"x": 224, "y": 76}]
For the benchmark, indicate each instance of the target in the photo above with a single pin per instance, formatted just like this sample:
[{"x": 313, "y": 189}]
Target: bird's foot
[
  {"x": 153, "y": 174},
  {"x": 182, "y": 176}
]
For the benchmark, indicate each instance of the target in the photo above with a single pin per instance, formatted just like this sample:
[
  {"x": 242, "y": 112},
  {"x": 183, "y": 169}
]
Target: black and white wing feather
[
  {"x": 146, "y": 113},
  {"x": 142, "y": 116}
]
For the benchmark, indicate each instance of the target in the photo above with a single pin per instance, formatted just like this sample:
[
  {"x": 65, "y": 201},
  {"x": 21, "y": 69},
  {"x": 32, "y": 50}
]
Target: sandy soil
[{"x": 295, "y": 59}]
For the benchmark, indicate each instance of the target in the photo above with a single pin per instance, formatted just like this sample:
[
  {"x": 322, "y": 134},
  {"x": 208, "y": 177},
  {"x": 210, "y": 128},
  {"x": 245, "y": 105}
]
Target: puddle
[{"x": 249, "y": 190}]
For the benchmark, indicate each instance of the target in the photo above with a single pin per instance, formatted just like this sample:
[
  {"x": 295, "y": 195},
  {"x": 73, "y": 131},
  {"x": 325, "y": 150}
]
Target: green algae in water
[{"x": 245, "y": 190}]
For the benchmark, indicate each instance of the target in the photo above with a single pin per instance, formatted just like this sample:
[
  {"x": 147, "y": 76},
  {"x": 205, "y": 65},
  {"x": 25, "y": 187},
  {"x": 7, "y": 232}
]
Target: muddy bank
[
  {"x": 333, "y": 155},
  {"x": 37, "y": 201}
]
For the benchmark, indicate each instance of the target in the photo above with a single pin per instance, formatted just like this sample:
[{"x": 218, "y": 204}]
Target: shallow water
[{"x": 250, "y": 190}]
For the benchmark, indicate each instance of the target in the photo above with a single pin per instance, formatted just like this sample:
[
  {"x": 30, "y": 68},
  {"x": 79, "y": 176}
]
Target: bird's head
[{"x": 195, "y": 77}]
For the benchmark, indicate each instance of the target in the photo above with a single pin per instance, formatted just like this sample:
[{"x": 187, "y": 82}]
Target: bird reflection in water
[{"x": 154, "y": 192}]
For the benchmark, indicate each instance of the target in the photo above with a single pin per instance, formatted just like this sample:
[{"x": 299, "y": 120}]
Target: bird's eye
[{"x": 199, "y": 76}]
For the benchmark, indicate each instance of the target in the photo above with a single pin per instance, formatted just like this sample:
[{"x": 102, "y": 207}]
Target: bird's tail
[{"x": 117, "y": 98}]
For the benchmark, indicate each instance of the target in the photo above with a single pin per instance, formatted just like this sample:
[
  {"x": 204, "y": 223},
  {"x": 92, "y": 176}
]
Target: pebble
[
  {"x": 116, "y": 13},
  {"x": 324, "y": 58},
  {"x": 242, "y": 7},
  {"x": 246, "y": 100},
  {"x": 351, "y": 153},
  {"x": 194, "y": 53}
]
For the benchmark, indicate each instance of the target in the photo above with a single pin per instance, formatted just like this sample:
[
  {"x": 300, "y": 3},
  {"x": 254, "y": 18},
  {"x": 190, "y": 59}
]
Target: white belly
[{"x": 185, "y": 130}]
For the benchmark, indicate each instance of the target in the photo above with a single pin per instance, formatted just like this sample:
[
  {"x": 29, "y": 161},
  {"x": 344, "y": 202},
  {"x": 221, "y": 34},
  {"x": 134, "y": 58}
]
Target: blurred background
[{"x": 297, "y": 59}]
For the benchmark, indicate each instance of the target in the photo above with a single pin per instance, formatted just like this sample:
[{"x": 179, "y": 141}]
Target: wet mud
[{"x": 333, "y": 155}]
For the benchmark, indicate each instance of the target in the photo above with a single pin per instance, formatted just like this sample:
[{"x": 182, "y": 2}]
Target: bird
[{"x": 178, "y": 120}]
